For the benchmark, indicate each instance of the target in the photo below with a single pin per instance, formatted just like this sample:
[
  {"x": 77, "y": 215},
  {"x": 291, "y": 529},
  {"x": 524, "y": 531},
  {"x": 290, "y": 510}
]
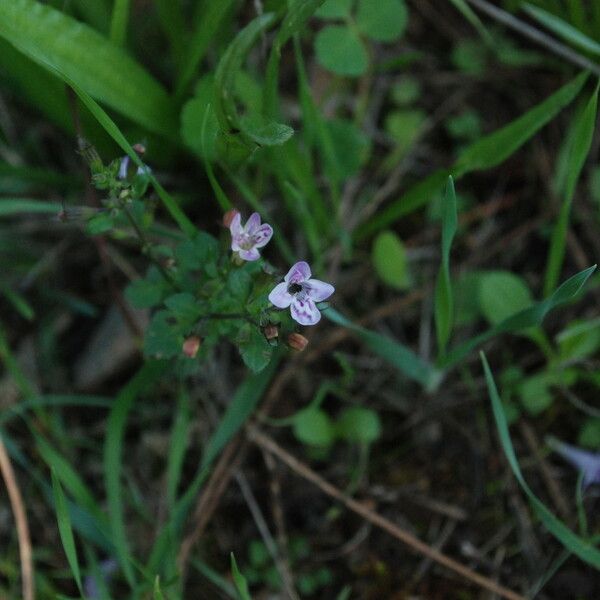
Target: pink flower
[
  {"x": 248, "y": 239},
  {"x": 301, "y": 293}
]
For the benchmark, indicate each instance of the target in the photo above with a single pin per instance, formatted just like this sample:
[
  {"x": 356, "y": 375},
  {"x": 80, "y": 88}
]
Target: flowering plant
[{"x": 204, "y": 289}]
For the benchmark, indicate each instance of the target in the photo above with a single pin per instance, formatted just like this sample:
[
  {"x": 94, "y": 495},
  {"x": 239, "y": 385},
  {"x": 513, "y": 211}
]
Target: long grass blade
[{"x": 118, "y": 23}]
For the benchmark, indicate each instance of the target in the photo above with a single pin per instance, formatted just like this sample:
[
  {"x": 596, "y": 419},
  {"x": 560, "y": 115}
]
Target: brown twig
[
  {"x": 18, "y": 508},
  {"x": 268, "y": 444}
]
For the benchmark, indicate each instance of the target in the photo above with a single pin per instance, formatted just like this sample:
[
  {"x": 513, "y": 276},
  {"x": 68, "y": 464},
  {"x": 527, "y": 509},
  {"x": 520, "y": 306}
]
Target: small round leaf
[
  {"x": 382, "y": 20},
  {"x": 340, "y": 50}
]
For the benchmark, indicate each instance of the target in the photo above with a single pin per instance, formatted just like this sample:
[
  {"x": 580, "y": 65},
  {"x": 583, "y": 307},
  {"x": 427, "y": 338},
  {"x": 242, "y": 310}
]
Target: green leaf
[
  {"x": 444, "y": 301},
  {"x": 255, "y": 350},
  {"x": 162, "y": 339},
  {"x": 118, "y": 23},
  {"x": 19, "y": 206},
  {"x": 535, "y": 393},
  {"x": 340, "y": 50},
  {"x": 360, "y": 425},
  {"x": 389, "y": 260},
  {"x": 382, "y": 20},
  {"x": 335, "y": 9},
  {"x": 502, "y": 294},
  {"x": 579, "y": 340},
  {"x": 349, "y": 145},
  {"x": 313, "y": 427},
  {"x": 485, "y": 153},
  {"x": 396, "y": 354},
  {"x": 198, "y": 254},
  {"x": 572, "y": 542},
  {"x": 240, "y": 581},
  {"x": 265, "y": 133},
  {"x": 589, "y": 436},
  {"x": 65, "y": 530},
  {"x": 147, "y": 292},
  {"x": 18, "y": 301},
  {"x": 581, "y": 143},
  {"x": 104, "y": 71},
  {"x": 529, "y": 317},
  {"x": 563, "y": 29}
]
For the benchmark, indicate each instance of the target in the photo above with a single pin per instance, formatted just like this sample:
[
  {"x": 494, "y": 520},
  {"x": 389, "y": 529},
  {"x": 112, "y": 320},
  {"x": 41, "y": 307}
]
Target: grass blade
[
  {"x": 579, "y": 149},
  {"x": 113, "y": 456},
  {"x": 240, "y": 581},
  {"x": 395, "y": 353},
  {"x": 571, "y": 541},
  {"x": 485, "y": 153},
  {"x": 469, "y": 14},
  {"x": 118, "y": 23},
  {"x": 10, "y": 207},
  {"x": 106, "y": 72},
  {"x": 529, "y": 317},
  {"x": 444, "y": 304},
  {"x": 65, "y": 530},
  {"x": 563, "y": 29}
]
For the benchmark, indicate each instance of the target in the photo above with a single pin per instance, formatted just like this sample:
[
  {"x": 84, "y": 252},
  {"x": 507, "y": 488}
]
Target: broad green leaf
[
  {"x": 579, "y": 340},
  {"x": 162, "y": 338},
  {"x": 530, "y": 317},
  {"x": 496, "y": 147},
  {"x": 563, "y": 29},
  {"x": 535, "y": 393},
  {"x": 571, "y": 541},
  {"x": 147, "y": 292},
  {"x": 382, "y": 20},
  {"x": 349, "y": 145},
  {"x": 340, "y": 50},
  {"x": 104, "y": 71},
  {"x": 444, "y": 301},
  {"x": 396, "y": 354},
  {"x": 334, "y": 9},
  {"x": 502, "y": 294},
  {"x": 147, "y": 376},
  {"x": 265, "y": 133},
  {"x": 240, "y": 581},
  {"x": 389, "y": 260},
  {"x": 313, "y": 427},
  {"x": 485, "y": 153},
  {"x": 65, "y": 530},
  {"x": 359, "y": 425},
  {"x": 581, "y": 143}
]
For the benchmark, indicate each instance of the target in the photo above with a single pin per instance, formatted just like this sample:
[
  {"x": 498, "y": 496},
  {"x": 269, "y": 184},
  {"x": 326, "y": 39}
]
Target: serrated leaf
[
  {"x": 382, "y": 20},
  {"x": 100, "y": 68},
  {"x": 340, "y": 50},
  {"x": 255, "y": 350},
  {"x": 389, "y": 260}
]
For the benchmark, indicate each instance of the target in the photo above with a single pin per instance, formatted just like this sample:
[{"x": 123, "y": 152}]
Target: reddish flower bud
[
  {"x": 191, "y": 346},
  {"x": 140, "y": 149},
  {"x": 271, "y": 331},
  {"x": 228, "y": 216},
  {"x": 297, "y": 342}
]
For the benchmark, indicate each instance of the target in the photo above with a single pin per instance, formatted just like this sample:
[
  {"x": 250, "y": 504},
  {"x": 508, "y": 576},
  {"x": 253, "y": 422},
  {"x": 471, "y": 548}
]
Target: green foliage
[
  {"x": 502, "y": 294},
  {"x": 358, "y": 425},
  {"x": 340, "y": 50},
  {"x": 314, "y": 428},
  {"x": 382, "y": 20},
  {"x": 390, "y": 261},
  {"x": 240, "y": 581}
]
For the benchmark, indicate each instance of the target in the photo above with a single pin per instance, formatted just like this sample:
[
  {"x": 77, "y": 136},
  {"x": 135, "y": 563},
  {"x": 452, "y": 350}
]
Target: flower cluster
[{"x": 299, "y": 291}]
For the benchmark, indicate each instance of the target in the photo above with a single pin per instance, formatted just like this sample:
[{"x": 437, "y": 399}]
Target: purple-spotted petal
[
  {"x": 298, "y": 273},
  {"x": 253, "y": 223},
  {"x": 249, "y": 255},
  {"x": 280, "y": 297},
  {"x": 235, "y": 227},
  {"x": 319, "y": 290},
  {"x": 305, "y": 312},
  {"x": 262, "y": 235}
]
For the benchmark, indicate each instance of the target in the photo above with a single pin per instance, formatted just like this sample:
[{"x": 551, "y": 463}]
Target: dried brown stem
[
  {"x": 18, "y": 508},
  {"x": 268, "y": 444}
]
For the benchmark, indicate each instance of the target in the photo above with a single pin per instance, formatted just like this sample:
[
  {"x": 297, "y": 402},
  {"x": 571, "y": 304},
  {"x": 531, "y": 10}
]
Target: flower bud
[
  {"x": 191, "y": 346},
  {"x": 297, "y": 342},
  {"x": 140, "y": 149},
  {"x": 228, "y": 216},
  {"x": 271, "y": 331}
]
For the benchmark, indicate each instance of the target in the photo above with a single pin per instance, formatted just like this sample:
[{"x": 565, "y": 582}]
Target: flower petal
[
  {"x": 305, "y": 312},
  {"x": 280, "y": 297},
  {"x": 253, "y": 223},
  {"x": 298, "y": 273},
  {"x": 262, "y": 235},
  {"x": 250, "y": 255},
  {"x": 123, "y": 167},
  {"x": 319, "y": 290},
  {"x": 587, "y": 462},
  {"x": 235, "y": 227}
]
